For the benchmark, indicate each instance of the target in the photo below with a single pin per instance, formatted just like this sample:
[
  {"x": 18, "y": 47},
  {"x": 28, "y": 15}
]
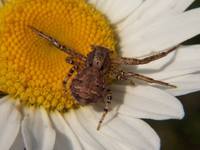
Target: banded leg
[
  {"x": 146, "y": 60},
  {"x": 106, "y": 108},
  {"x": 127, "y": 75},
  {"x": 71, "y": 71},
  {"x": 57, "y": 44}
]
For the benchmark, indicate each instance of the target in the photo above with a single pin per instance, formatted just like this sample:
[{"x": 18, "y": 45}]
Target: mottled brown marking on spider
[{"x": 89, "y": 85}]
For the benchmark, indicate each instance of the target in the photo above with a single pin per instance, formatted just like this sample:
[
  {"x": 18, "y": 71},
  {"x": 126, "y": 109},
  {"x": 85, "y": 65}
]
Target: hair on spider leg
[
  {"x": 106, "y": 108},
  {"x": 57, "y": 44},
  {"x": 145, "y": 60},
  {"x": 89, "y": 85}
]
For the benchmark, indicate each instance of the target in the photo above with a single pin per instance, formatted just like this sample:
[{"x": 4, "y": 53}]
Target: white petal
[
  {"x": 136, "y": 132},
  {"x": 114, "y": 11},
  {"x": 10, "y": 119},
  {"x": 152, "y": 11},
  {"x": 147, "y": 102},
  {"x": 19, "y": 143},
  {"x": 4, "y": 99},
  {"x": 137, "y": 15},
  {"x": 158, "y": 10},
  {"x": 118, "y": 133},
  {"x": 166, "y": 33},
  {"x": 185, "y": 84},
  {"x": 183, "y": 5},
  {"x": 68, "y": 140},
  {"x": 184, "y": 61},
  {"x": 84, "y": 123},
  {"x": 37, "y": 131},
  {"x": 86, "y": 139}
]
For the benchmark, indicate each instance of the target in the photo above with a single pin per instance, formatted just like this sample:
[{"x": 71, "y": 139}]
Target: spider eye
[
  {"x": 90, "y": 64},
  {"x": 102, "y": 67}
]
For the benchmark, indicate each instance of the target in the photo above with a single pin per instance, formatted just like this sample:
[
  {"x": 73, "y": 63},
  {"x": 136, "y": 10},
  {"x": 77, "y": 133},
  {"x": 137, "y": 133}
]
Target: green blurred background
[{"x": 182, "y": 134}]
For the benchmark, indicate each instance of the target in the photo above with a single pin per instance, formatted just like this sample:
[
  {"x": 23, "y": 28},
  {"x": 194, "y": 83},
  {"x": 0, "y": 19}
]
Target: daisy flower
[{"x": 36, "y": 115}]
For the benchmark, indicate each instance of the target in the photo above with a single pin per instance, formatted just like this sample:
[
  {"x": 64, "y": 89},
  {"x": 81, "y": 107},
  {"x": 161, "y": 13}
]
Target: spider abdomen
[{"x": 88, "y": 86}]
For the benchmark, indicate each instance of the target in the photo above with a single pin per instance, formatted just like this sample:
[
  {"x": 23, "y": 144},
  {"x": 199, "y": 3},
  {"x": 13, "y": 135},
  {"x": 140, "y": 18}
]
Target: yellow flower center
[{"x": 31, "y": 69}]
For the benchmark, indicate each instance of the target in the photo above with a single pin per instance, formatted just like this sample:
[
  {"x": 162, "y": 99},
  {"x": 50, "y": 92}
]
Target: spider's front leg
[
  {"x": 57, "y": 44},
  {"x": 106, "y": 108},
  {"x": 122, "y": 75},
  {"x": 146, "y": 60}
]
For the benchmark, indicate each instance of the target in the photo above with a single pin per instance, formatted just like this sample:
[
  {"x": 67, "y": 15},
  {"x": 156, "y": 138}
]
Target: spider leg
[
  {"x": 3, "y": 2},
  {"x": 57, "y": 44},
  {"x": 118, "y": 74},
  {"x": 135, "y": 61},
  {"x": 127, "y": 75},
  {"x": 70, "y": 73},
  {"x": 106, "y": 108}
]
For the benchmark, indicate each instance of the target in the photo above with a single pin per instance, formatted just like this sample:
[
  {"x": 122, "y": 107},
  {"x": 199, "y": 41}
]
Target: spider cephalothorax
[{"x": 89, "y": 85}]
